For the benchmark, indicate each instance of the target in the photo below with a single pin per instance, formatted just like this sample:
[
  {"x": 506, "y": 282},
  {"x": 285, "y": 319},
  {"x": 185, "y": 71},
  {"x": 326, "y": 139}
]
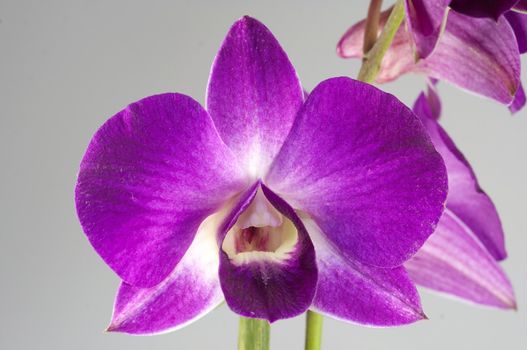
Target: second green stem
[
  {"x": 372, "y": 60},
  {"x": 313, "y": 330},
  {"x": 253, "y": 334}
]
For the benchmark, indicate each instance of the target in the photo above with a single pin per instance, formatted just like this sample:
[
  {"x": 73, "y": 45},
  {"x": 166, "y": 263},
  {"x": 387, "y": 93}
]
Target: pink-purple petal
[
  {"x": 519, "y": 101},
  {"x": 483, "y": 8},
  {"x": 518, "y": 22},
  {"x": 188, "y": 293},
  {"x": 490, "y": 47},
  {"x": 399, "y": 58},
  {"x": 362, "y": 166},
  {"x": 428, "y": 105},
  {"x": 465, "y": 197},
  {"x": 270, "y": 290},
  {"x": 425, "y": 19},
  {"x": 253, "y": 94},
  {"x": 151, "y": 174},
  {"x": 354, "y": 292},
  {"x": 453, "y": 261}
]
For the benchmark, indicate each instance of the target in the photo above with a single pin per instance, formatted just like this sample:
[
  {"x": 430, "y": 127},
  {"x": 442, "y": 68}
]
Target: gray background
[{"x": 66, "y": 66}]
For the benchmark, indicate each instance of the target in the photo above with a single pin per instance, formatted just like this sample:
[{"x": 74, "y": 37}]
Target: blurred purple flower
[
  {"x": 480, "y": 55},
  {"x": 274, "y": 204},
  {"x": 426, "y": 18},
  {"x": 461, "y": 257}
]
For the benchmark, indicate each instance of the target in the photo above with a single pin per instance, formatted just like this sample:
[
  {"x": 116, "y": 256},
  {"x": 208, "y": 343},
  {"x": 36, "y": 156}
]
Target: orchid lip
[
  {"x": 260, "y": 265},
  {"x": 261, "y": 233}
]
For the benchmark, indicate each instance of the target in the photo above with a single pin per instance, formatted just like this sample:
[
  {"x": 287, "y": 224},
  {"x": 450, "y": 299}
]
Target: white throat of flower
[{"x": 261, "y": 233}]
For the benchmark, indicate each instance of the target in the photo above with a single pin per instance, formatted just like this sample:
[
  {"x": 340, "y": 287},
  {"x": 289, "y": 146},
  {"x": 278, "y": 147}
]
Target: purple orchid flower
[
  {"x": 270, "y": 202},
  {"x": 461, "y": 257},
  {"x": 426, "y": 18},
  {"x": 480, "y": 55}
]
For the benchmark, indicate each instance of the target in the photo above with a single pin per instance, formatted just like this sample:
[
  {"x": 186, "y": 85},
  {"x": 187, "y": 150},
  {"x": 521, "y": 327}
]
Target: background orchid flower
[
  {"x": 426, "y": 18},
  {"x": 462, "y": 257},
  {"x": 480, "y": 55},
  {"x": 263, "y": 200}
]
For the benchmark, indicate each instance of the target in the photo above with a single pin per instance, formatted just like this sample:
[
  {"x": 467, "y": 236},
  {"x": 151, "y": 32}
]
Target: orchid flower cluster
[
  {"x": 280, "y": 202},
  {"x": 473, "y": 44}
]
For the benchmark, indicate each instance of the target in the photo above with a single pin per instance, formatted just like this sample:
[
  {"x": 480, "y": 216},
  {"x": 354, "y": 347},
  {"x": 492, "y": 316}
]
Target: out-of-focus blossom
[
  {"x": 461, "y": 257},
  {"x": 270, "y": 202},
  {"x": 480, "y": 55},
  {"x": 518, "y": 22},
  {"x": 426, "y": 18}
]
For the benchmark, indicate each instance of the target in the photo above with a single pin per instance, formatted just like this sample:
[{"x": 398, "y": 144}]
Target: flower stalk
[
  {"x": 313, "y": 330},
  {"x": 253, "y": 334},
  {"x": 372, "y": 60},
  {"x": 372, "y": 25}
]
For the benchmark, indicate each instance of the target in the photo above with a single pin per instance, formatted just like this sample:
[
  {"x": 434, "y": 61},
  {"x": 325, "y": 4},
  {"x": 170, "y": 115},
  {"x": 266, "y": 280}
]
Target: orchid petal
[
  {"x": 425, "y": 19},
  {"x": 490, "y": 47},
  {"x": 270, "y": 289},
  {"x": 494, "y": 69},
  {"x": 253, "y": 94},
  {"x": 465, "y": 197},
  {"x": 398, "y": 59},
  {"x": 188, "y": 293},
  {"x": 518, "y": 22},
  {"x": 360, "y": 163},
  {"x": 519, "y": 100},
  {"x": 453, "y": 261},
  {"x": 151, "y": 174},
  {"x": 428, "y": 106},
  {"x": 353, "y": 292},
  {"x": 483, "y": 8}
]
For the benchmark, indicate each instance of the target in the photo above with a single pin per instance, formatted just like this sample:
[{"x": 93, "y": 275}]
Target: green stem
[
  {"x": 371, "y": 29},
  {"x": 313, "y": 330},
  {"x": 253, "y": 334},
  {"x": 372, "y": 60}
]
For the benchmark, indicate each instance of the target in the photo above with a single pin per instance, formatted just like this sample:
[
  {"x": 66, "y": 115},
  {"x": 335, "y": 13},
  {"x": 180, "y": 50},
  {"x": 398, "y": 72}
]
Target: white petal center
[{"x": 260, "y": 233}]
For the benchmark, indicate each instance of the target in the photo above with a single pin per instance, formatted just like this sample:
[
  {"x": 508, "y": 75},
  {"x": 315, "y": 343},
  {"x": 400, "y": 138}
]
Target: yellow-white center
[{"x": 261, "y": 233}]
